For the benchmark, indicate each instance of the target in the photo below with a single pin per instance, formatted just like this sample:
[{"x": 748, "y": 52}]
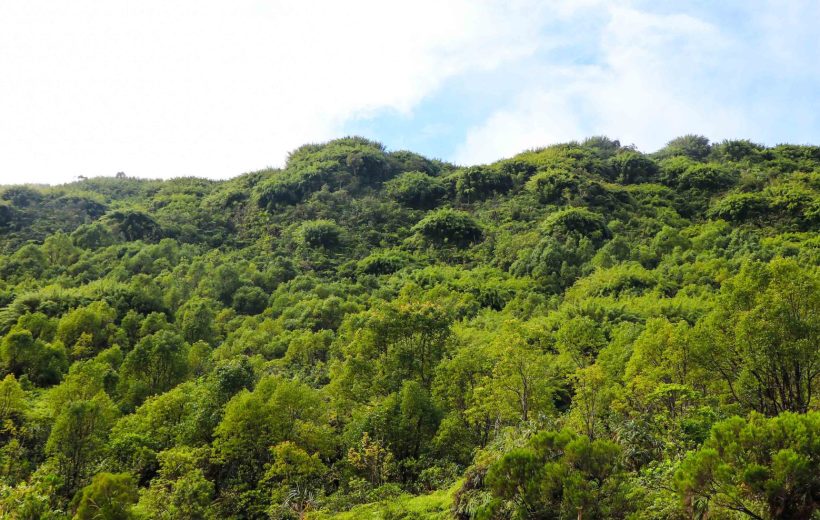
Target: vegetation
[{"x": 579, "y": 331}]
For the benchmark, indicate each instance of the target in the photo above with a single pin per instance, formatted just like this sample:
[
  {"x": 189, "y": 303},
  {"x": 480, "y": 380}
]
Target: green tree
[
  {"x": 323, "y": 234},
  {"x": 762, "y": 338},
  {"x": 632, "y": 168},
  {"x": 760, "y": 468},
  {"x": 478, "y": 183},
  {"x": 12, "y": 404},
  {"x": 180, "y": 490},
  {"x": 86, "y": 330},
  {"x": 523, "y": 382},
  {"x": 196, "y": 320},
  {"x": 134, "y": 224},
  {"x": 277, "y": 410},
  {"x": 560, "y": 475},
  {"x": 77, "y": 439},
  {"x": 22, "y": 354},
  {"x": 416, "y": 190},
  {"x": 695, "y": 147},
  {"x": 109, "y": 496},
  {"x": 250, "y": 300},
  {"x": 449, "y": 227},
  {"x": 154, "y": 365},
  {"x": 395, "y": 342}
]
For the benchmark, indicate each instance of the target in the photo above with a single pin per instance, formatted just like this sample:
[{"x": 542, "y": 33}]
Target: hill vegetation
[{"x": 579, "y": 331}]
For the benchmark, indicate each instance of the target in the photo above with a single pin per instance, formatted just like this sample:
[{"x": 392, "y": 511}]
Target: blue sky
[
  {"x": 208, "y": 88},
  {"x": 729, "y": 70}
]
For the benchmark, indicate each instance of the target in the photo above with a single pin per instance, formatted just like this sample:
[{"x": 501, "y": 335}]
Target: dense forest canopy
[{"x": 579, "y": 331}]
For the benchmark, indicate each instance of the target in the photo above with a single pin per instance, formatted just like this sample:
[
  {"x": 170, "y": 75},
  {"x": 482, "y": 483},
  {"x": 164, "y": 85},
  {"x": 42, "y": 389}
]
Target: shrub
[
  {"x": 320, "y": 234},
  {"x": 448, "y": 226},
  {"x": 250, "y": 300},
  {"x": 552, "y": 185},
  {"x": 575, "y": 222},
  {"x": 633, "y": 168},
  {"x": 695, "y": 147},
  {"x": 707, "y": 177},
  {"x": 479, "y": 183},
  {"x": 382, "y": 263},
  {"x": 416, "y": 190}
]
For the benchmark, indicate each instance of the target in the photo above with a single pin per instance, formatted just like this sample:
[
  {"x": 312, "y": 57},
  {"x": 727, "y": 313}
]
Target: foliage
[
  {"x": 448, "y": 226},
  {"x": 417, "y": 190},
  {"x": 762, "y": 468},
  {"x": 579, "y": 330}
]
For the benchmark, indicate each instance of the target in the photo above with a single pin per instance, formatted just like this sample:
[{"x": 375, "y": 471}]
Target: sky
[{"x": 209, "y": 88}]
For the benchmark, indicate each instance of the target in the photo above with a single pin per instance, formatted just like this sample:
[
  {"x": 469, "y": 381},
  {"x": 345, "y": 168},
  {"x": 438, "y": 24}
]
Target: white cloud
[
  {"x": 652, "y": 82},
  {"x": 211, "y": 88},
  {"x": 161, "y": 89}
]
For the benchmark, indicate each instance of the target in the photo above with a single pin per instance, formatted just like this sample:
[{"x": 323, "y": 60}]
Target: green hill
[{"x": 578, "y": 331}]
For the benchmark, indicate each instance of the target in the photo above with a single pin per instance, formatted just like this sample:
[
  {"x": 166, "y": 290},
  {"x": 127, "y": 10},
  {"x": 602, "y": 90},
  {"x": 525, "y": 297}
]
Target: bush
[
  {"x": 479, "y": 183},
  {"x": 577, "y": 222},
  {"x": 738, "y": 150},
  {"x": 320, "y": 234},
  {"x": 449, "y": 227},
  {"x": 552, "y": 185},
  {"x": 694, "y": 147},
  {"x": 382, "y": 263},
  {"x": 416, "y": 190},
  {"x": 633, "y": 168},
  {"x": 250, "y": 300},
  {"x": 707, "y": 177},
  {"x": 741, "y": 207}
]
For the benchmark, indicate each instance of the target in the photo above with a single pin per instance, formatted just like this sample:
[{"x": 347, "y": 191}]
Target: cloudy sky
[{"x": 217, "y": 88}]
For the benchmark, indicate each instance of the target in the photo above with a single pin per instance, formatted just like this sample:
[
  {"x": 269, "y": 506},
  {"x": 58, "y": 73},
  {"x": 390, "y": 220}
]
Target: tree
[
  {"x": 180, "y": 490},
  {"x": 633, "y": 168},
  {"x": 59, "y": 250},
  {"x": 695, "y": 147},
  {"x": 402, "y": 340},
  {"x": 154, "y": 365},
  {"x": 707, "y": 177},
  {"x": 593, "y": 396},
  {"x": 554, "y": 186},
  {"x": 134, "y": 224},
  {"x": 95, "y": 321},
  {"x": 250, "y": 300},
  {"x": 405, "y": 421},
  {"x": 576, "y": 223},
  {"x": 78, "y": 438},
  {"x": 293, "y": 477},
  {"x": 416, "y": 190},
  {"x": 324, "y": 234},
  {"x": 559, "y": 475},
  {"x": 92, "y": 236},
  {"x": 579, "y": 339},
  {"x": 277, "y": 410},
  {"x": 478, "y": 183},
  {"x": 109, "y": 496},
  {"x": 761, "y": 468},
  {"x": 41, "y": 362},
  {"x": 195, "y": 318},
  {"x": 763, "y": 338},
  {"x": 225, "y": 283},
  {"x": 371, "y": 458},
  {"x": 12, "y": 403},
  {"x": 449, "y": 227},
  {"x": 523, "y": 381}
]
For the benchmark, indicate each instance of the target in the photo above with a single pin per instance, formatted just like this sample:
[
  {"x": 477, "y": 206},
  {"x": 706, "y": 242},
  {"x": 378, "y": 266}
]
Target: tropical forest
[{"x": 580, "y": 331}]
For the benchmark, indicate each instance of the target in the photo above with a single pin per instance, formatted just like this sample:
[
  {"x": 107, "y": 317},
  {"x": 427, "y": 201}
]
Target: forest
[{"x": 581, "y": 331}]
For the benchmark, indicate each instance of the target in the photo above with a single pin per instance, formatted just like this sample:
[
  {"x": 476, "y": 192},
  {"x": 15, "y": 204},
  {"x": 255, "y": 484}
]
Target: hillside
[{"x": 579, "y": 331}]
